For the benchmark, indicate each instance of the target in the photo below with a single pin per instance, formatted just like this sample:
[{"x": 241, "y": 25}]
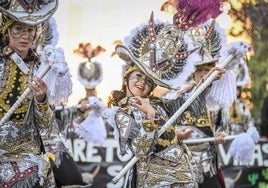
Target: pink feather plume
[{"x": 204, "y": 9}]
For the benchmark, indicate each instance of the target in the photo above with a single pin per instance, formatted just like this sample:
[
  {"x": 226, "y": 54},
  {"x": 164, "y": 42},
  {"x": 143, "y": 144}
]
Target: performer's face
[
  {"x": 21, "y": 37},
  {"x": 138, "y": 84},
  {"x": 200, "y": 73},
  {"x": 205, "y": 70}
]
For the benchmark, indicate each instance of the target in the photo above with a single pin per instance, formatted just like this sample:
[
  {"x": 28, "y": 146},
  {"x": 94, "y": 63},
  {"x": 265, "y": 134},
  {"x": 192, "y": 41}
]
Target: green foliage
[
  {"x": 258, "y": 66},
  {"x": 258, "y": 70},
  {"x": 256, "y": 11}
]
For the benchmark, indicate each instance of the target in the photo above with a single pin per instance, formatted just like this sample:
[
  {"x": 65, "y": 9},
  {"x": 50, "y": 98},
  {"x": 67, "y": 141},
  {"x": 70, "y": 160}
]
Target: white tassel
[
  {"x": 58, "y": 79},
  {"x": 242, "y": 147},
  {"x": 223, "y": 92},
  {"x": 254, "y": 134},
  {"x": 93, "y": 129}
]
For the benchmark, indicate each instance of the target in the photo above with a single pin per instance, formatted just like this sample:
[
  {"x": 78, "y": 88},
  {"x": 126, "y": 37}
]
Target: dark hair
[{"x": 118, "y": 95}]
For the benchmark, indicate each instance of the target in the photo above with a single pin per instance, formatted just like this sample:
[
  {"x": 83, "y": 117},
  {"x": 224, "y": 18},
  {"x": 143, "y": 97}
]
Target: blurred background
[{"x": 105, "y": 23}]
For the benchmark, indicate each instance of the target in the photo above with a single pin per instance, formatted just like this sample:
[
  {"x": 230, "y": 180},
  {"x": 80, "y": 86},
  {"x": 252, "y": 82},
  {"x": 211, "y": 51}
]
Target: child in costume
[{"x": 163, "y": 161}]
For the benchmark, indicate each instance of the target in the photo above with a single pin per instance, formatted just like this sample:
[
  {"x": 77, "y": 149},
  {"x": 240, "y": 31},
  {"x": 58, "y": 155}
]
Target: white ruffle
[{"x": 110, "y": 115}]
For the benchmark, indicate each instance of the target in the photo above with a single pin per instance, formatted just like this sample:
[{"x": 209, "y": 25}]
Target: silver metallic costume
[{"x": 163, "y": 161}]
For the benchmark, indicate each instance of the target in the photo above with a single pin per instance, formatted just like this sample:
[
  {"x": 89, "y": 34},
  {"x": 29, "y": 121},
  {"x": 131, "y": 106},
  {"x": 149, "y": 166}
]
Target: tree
[
  {"x": 252, "y": 17},
  {"x": 250, "y": 21}
]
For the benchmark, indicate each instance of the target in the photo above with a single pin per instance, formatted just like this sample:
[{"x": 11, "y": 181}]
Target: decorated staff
[{"x": 242, "y": 146}]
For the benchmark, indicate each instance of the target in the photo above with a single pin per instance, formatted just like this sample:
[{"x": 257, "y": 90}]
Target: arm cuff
[{"x": 42, "y": 107}]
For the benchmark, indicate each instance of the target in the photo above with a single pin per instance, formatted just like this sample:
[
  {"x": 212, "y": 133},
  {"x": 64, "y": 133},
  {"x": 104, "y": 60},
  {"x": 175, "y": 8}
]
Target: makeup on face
[{"x": 18, "y": 30}]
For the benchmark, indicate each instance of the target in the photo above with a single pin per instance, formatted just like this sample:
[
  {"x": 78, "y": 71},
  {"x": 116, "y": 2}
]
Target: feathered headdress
[
  {"x": 49, "y": 34},
  {"x": 192, "y": 13},
  {"x": 160, "y": 51}
]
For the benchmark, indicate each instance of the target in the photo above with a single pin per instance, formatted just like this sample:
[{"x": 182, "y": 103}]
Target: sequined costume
[
  {"x": 21, "y": 160},
  {"x": 205, "y": 124},
  {"x": 163, "y": 161},
  {"x": 66, "y": 171}
]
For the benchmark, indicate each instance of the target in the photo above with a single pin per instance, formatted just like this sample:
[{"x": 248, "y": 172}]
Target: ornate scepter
[{"x": 238, "y": 50}]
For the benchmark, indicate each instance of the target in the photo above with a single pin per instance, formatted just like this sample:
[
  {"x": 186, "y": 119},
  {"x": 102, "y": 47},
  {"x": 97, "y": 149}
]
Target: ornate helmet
[
  {"x": 160, "y": 51},
  {"x": 197, "y": 19},
  {"x": 31, "y": 12},
  {"x": 90, "y": 74},
  {"x": 209, "y": 39},
  {"x": 170, "y": 53}
]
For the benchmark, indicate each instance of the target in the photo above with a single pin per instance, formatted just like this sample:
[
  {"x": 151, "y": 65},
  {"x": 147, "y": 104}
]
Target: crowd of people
[{"x": 189, "y": 57}]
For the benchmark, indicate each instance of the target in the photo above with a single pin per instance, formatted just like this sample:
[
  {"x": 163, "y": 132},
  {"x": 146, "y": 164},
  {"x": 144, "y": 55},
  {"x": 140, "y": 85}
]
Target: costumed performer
[
  {"x": 69, "y": 117},
  {"x": 162, "y": 161},
  {"x": 23, "y": 162}
]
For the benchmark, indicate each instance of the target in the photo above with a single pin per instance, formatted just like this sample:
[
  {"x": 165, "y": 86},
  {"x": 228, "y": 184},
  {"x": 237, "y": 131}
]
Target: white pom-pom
[
  {"x": 254, "y": 134},
  {"x": 242, "y": 148},
  {"x": 239, "y": 48},
  {"x": 93, "y": 129}
]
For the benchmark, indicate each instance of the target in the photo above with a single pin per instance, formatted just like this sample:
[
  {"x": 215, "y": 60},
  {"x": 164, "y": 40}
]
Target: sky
[{"x": 101, "y": 22}]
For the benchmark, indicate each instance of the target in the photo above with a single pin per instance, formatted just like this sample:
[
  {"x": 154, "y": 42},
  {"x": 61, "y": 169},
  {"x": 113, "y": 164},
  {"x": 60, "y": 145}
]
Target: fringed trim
[{"x": 58, "y": 78}]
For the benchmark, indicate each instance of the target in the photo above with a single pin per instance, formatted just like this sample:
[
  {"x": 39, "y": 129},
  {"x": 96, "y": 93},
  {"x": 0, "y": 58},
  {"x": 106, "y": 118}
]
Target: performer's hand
[
  {"x": 84, "y": 106},
  {"x": 39, "y": 88},
  {"x": 219, "y": 139},
  {"x": 145, "y": 106},
  {"x": 219, "y": 75},
  {"x": 183, "y": 132}
]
